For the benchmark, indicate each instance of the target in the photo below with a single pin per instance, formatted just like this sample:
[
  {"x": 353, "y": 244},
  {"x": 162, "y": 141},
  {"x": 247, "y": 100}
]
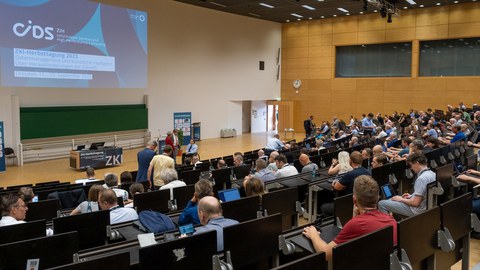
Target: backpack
[{"x": 156, "y": 222}]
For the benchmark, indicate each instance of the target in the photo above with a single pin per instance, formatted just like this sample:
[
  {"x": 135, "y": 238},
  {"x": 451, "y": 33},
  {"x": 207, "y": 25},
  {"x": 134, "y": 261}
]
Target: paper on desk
[{"x": 146, "y": 239}]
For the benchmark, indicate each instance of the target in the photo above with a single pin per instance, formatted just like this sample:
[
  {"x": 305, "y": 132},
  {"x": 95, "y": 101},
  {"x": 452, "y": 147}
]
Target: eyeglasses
[{"x": 21, "y": 206}]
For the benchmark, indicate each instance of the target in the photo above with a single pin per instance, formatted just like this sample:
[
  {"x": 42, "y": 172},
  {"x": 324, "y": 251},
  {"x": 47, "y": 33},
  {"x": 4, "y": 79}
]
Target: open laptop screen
[{"x": 228, "y": 195}]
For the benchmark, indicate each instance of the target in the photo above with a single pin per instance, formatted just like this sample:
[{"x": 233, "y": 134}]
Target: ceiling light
[
  {"x": 299, "y": 19},
  {"x": 266, "y": 5},
  {"x": 308, "y": 7},
  {"x": 411, "y": 2},
  {"x": 320, "y": 0},
  {"x": 375, "y": 10},
  {"x": 421, "y": 5},
  {"x": 361, "y": 12},
  {"x": 405, "y": 7},
  {"x": 343, "y": 10},
  {"x": 438, "y": 4},
  {"x": 334, "y": 15},
  {"x": 218, "y": 4},
  {"x": 323, "y": 17},
  {"x": 348, "y": 14},
  {"x": 310, "y": 18},
  {"x": 296, "y": 15},
  {"x": 455, "y": 2}
]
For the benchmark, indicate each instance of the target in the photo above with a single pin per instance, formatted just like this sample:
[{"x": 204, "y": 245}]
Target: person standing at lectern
[{"x": 143, "y": 158}]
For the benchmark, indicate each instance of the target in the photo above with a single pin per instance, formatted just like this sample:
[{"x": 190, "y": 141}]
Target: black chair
[
  {"x": 22, "y": 231},
  {"x": 47, "y": 209},
  {"x": 117, "y": 261}
]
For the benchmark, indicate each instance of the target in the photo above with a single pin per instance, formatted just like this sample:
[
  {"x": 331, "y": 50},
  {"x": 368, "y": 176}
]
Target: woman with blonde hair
[
  {"x": 91, "y": 205},
  {"x": 342, "y": 165},
  {"x": 253, "y": 186}
]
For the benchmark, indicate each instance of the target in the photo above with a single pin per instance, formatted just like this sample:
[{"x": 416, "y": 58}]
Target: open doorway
[
  {"x": 246, "y": 116},
  {"x": 272, "y": 119}
]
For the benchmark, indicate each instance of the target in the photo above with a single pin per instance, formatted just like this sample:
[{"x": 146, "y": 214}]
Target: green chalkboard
[{"x": 46, "y": 122}]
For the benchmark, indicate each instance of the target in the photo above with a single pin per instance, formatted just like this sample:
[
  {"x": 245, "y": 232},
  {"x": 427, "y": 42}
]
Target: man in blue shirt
[
  {"x": 368, "y": 124},
  {"x": 459, "y": 135},
  {"x": 143, "y": 158},
  {"x": 274, "y": 143},
  {"x": 210, "y": 214},
  {"x": 189, "y": 215}
]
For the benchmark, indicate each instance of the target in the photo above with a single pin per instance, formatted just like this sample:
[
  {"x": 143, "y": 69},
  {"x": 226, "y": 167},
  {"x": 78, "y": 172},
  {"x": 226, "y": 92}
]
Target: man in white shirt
[
  {"x": 14, "y": 210},
  {"x": 274, "y": 143},
  {"x": 284, "y": 169},
  {"x": 107, "y": 200},
  {"x": 90, "y": 177},
  {"x": 170, "y": 177},
  {"x": 111, "y": 182}
]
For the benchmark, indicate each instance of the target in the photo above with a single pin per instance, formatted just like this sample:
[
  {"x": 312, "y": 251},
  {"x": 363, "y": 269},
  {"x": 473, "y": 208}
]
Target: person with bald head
[
  {"x": 211, "y": 217},
  {"x": 271, "y": 161},
  {"x": 308, "y": 165}
]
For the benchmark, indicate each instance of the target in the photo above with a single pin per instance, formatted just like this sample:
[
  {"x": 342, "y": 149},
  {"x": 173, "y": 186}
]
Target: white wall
[
  {"x": 259, "y": 120},
  {"x": 200, "y": 61}
]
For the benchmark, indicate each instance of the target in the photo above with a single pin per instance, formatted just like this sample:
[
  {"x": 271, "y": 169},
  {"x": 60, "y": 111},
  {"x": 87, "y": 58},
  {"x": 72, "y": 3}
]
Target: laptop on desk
[{"x": 227, "y": 195}]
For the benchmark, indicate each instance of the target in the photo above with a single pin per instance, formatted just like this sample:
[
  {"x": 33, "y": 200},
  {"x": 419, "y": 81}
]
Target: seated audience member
[
  {"x": 274, "y": 143},
  {"x": 368, "y": 125},
  {"x": 473, "y": 178},
  {"x": 459, "y": 136},
  {"x": 431, "y": 132},
  {"x": 308, "y": 165},
  {"x": 340, "y": 166},
  {"x": 221, "y": 164},
  {"x": 380, "y": 133},
  {"x": 366, "y": 218},
  {"x": 367, "y": 153},
  {"x": 379, "y": 160},
  {"x": 261, "y": 154},
  {"x": 91, "y": 205},
  {"x": 135, "y": 188},
  {"x": 430, "y": 144},
  {"x": 272, "y": 165},
  {"x": 189, "y": 215},
  {"x": 377, "y": 150},
  {"x": 391, "y": 139},
  {"x": 238, "y": 160},
  {"x": 284, "y": 169},
  {"x": 14, "y": 210},
  {"x": 345, "y": 184},
  {"x": 26, "y": 194},
  {"x": 353, "y": 141},
  {"x": 90, "y": 176},
  {"x": 194, "y": 160},
  {"x": 261, "y": 171},
  {"x": 111, "y": 182},
  {"x": 404, "y": 150},
  {"x": 211, "y": 217},
  {"x": 191, "y": 149},
  {"x": 253, "y": 186},
  {"x": 170, "y": 177},
  {"x": 107, "y": 200},
  {"x": 126, "y": 177},
  {"x": 415, "y": 203}
]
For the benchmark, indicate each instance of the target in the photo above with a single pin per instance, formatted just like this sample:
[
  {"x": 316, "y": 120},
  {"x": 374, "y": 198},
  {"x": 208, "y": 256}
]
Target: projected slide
[{"x": 72, "y": 43}]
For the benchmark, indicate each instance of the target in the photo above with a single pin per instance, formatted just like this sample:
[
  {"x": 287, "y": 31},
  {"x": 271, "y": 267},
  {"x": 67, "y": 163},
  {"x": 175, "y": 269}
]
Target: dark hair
[
  {"x": 126, "y": 177},
  {"x": 111, "y": 180},
  {"x": 254, "y": 186},
  {"x": 168, "y": 149},
  {"x": 417, "y": 157},
  {"x": 90, "y": 171},
  {"x": 382, "y": 159},
  {"x": 94, "y": 191},
  {"x": 26, "y": 194},
  {"x": 136, "y": 188},
  {"x": 281, "y": 158},
  {"x": 203, "y": 188},
  {"x": 433, "y": 141}
]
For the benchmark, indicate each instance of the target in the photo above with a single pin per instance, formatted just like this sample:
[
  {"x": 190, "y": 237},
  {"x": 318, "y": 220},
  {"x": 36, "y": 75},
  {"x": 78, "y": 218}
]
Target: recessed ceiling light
[
  {"x": 455, "y": 2},
  {"x": 348, "y": 14},
  {"x": 411, "y": 2},
  {"x": 334, "y": 15},
  {"x": 375, "y": 10},
  {"x": 310, "y": 18},
  {"x": 287, "y": 20},
  {"x": 343, "y": 10},
  {"x": 361, "y": 12},
  {"x": 266, "y": 5},
  {"x": 405, "y": 7},
  {"x": 438, "y": 4},
  {"x": 322, "y": 17},
  {"x": 308, "y": 7},
  {"x": 421, "y": 5},
  {"x": 299, "y": 19},
  {"x": 296, "y": 15},
  {"x": 320, "y": 0}
]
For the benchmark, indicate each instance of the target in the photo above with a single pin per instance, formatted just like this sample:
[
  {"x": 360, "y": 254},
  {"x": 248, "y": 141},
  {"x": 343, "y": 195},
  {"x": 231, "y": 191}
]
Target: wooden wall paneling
[
  {"x": 400, "y": 34},
  {"x": 370, "y": 37},
  {"x": 432, "y": 32},
  {"x": 371, "y": 22},
  {"x": 345, "y": 24},
  {"x": 345, "y": 38},
  {"x": 432, "y": 16},
  {"x": 464, "y": 13},
  {"x": 459, "y": 30}
]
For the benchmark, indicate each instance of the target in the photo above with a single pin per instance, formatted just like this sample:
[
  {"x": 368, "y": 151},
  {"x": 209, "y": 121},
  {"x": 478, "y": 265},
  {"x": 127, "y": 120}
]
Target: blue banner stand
[{"x": 183, "y": 121}]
